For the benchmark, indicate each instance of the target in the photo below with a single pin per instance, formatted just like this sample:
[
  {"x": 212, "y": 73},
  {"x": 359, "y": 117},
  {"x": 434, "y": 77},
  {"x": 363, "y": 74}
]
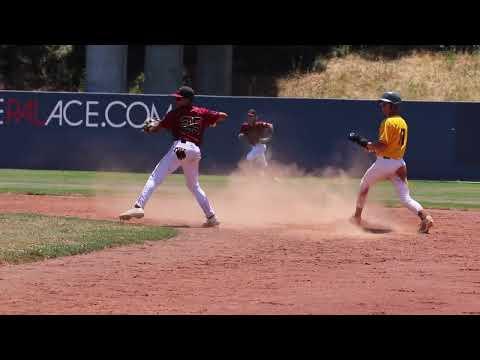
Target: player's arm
[
  {"x": 214, "y": 117},
  {"x": 157, "y": 125},
  {"x": 267, "y": 126},
  {"x": 377, "y": 146},
  {"x": 243, "y": 131},
  {"x": 267, "y": 133},
  {"x": 222, "y": 116},
  {"x": 383, "y": 140}
]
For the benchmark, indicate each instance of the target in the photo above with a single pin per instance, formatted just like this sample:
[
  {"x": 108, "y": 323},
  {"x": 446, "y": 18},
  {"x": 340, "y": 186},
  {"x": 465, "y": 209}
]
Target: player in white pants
[
  {"x": 257, "y": 133},
  {"x": 390, "y": 149},
  {"x": 187, "y": 124},
  {"x": 257, "y": 154},
  {"x": 168, "y": 165}
]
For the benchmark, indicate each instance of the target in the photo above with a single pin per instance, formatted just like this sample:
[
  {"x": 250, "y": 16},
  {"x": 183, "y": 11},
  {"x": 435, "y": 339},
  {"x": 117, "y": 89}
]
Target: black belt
[
  {"x": 388, "y": 158},
  {"x": 184, "y": 141}
]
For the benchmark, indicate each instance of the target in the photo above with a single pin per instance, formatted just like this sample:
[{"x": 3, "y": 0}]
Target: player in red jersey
[
  {"x": 258, "y": 133},
  {"x": 187, "y": 124}
]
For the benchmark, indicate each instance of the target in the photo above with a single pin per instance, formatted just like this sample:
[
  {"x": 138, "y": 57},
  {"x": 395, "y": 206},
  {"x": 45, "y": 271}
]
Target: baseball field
[{"x": 285, "y": 246}]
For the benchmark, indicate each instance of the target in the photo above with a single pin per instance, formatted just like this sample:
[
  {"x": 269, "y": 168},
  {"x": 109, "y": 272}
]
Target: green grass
[
  {"x": 84, "y": 183},
  {"x": 33, "y": 237},
  {"x": 432, "y": 194}
]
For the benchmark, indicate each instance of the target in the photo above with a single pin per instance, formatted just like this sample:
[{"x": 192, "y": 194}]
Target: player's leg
[
  {"x": 249, "y": 164},
  {"x": 252, "y": 153},
  {"x": 378, "y": 171},
  {"x": 257, "y": 158},
  {"x": 257, "y": 152},
  {"x": 166, "y": 166},
  {"x": 400, "y": 183},
  {"x": 261, "y": 157},
  {"x": 190, "y": 169}
]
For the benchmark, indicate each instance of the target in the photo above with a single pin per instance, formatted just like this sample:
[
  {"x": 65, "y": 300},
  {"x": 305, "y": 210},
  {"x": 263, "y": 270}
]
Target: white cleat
[
  {"x": 211, "y": 222},
  {"x": 355, "y": 221},
  {"x": 134, "y": 212},
  {"x": 426, "y": 224}
]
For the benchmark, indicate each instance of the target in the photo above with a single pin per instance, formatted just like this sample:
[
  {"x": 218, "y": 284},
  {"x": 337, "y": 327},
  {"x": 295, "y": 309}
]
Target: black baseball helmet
[
  {"x": 391, "y": 97},
  {"x": 185, "y": 92}
]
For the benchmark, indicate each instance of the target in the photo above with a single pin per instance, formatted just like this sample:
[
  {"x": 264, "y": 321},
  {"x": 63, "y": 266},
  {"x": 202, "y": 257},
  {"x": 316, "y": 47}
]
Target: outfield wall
[{"x": 90, "y": 131}]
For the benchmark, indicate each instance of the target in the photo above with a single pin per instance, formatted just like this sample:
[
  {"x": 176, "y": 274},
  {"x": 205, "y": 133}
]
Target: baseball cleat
[
  {"x": 355, "y": 221},
  {"x": 211, "y": 222},
  {"x": 426, "y": 224},
  {"x": 134, "y": 212}
]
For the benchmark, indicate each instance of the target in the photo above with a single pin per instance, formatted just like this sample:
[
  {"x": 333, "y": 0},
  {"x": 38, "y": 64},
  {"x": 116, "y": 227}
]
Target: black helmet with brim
[{"x": 391, "y": 97}]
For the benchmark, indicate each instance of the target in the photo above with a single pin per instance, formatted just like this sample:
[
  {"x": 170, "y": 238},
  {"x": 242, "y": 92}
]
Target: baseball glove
[
  {"x": 266, "y": 135},
  {"x": 180, "y": 152},
  {"x": 357, "y": 139},
  {"x": 149, "y": 124}
]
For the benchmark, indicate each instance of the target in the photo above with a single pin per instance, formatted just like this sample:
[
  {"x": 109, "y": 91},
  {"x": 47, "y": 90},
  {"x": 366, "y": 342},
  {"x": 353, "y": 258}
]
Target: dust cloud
[{"x": 281, "y": 195}]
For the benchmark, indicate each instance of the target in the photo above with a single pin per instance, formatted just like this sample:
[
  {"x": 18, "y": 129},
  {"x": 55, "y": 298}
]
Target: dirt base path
[{"x": 297, "y": 268}]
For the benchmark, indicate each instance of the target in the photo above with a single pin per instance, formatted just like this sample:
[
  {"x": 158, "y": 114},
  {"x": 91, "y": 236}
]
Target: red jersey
[
  {"x": 189, "y": 122},
  {"x": 256, "y": 131}
]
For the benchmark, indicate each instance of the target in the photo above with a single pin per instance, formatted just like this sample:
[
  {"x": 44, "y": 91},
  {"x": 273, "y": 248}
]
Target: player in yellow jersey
[{"x": 390, "y": 148}]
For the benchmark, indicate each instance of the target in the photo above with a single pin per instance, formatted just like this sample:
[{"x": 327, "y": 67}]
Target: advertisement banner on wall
[
  {"x": 79, "y": 110},
  {"x": 98, "y": 131}
]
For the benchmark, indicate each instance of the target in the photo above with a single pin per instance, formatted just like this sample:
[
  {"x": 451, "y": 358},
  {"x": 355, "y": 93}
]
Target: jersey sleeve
[
  {"x": 168, "y": 121},
  {"x": 265, "y": 125},
  {"x": 210, "y": 116},
  {"x": 243, "y": 129},
  {"x": 387, "y": 132}
]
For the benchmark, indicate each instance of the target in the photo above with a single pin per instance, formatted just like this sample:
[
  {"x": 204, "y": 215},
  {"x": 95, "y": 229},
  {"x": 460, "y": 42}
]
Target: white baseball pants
[
  {"x": 168, "y": 165},
  {"x": 385, "y": 169},
  {"x": 257, "y": 153}
]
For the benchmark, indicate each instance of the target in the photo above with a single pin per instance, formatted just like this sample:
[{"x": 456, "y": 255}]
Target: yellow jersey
[{"x": 393, "y": 131}]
